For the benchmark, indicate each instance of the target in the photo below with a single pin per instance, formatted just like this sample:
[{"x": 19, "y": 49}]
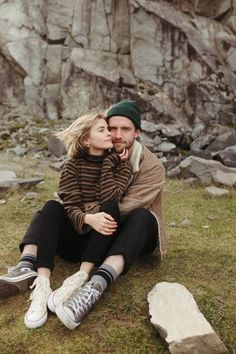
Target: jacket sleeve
[
  {"x": 115, "y": 176},
  {"x": 69, "y": 192},
  {"x": 145, "y": 187}
]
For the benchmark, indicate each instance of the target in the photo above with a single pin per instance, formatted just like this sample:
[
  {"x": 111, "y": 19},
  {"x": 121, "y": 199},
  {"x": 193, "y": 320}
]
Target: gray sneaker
[
  {"x": 17, "y": 279},
  {"x": 73, "y": 310}
]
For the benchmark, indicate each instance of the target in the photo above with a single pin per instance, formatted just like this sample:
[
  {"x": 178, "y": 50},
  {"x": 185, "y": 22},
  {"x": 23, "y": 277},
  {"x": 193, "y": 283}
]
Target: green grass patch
[{"x": 202, "y": 257}]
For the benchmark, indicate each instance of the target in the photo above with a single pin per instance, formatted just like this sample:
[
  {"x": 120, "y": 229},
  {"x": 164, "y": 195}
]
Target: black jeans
[{"x": 53, "y": 233}]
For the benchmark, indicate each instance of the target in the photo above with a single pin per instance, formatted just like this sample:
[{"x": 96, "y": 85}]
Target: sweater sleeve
[
  {"x": 115, "y": 176},
  {"x": 69, "y": 192}
]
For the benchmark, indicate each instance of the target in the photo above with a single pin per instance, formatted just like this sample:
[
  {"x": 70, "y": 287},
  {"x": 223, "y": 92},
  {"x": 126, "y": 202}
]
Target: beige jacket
[{"x": 146, "y": 187}]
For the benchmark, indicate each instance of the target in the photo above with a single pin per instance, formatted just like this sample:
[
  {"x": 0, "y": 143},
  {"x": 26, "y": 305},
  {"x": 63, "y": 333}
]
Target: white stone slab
[{"x": 176, "y": 316}]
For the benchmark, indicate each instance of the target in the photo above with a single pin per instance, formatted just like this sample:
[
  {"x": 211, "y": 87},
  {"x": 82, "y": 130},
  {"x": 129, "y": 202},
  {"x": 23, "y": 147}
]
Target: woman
[{"x": 79, "y": 230}]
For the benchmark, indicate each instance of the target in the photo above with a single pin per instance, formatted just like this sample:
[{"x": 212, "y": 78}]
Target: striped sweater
[{"x": 92, "y": 179}]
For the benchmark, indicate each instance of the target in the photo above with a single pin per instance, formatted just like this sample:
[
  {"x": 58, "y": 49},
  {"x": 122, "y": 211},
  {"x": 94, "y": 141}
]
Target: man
[{"x": 141, "y": 229}]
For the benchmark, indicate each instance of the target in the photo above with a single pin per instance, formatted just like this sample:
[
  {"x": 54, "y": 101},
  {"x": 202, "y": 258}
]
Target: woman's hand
[
  {"x": 101, "y": 222},
  {"x": 124, "y": 154}
]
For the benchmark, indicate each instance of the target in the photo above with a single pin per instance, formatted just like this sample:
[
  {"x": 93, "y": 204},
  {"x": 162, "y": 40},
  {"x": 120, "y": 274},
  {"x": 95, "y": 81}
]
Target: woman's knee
[{"x": 53, "y": 207}]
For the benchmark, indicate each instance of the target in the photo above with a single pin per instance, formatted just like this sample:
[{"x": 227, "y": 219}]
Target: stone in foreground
[{"x": 176, "y": 316}]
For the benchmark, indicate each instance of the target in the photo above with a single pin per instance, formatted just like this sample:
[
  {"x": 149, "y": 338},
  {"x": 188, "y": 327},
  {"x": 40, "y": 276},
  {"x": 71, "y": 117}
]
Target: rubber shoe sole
[
  {"x": 65, "y": 318},
  {"x": 37, "y": 322},
  {"x": 10, "y": 287}
]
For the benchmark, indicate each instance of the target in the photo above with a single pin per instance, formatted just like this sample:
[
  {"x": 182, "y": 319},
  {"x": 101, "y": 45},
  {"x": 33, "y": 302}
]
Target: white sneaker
[
  {"x": 37, "y": 313},
  {"x": 63, "y": 293}
]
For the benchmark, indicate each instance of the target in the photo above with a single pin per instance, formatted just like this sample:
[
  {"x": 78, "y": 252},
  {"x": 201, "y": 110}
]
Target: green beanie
[{"x": 128, "y": 109}]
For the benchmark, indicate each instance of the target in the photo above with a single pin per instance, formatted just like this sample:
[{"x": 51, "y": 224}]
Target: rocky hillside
[{"x": 176, "y": 58}]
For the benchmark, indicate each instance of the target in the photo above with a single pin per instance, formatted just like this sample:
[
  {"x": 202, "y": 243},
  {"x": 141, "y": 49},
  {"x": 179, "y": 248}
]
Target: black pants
[{"x": 53, "y": 233}]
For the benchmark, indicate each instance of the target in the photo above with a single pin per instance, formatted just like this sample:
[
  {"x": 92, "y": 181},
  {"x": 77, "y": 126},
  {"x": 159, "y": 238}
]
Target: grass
[{"x": 202, "y": 257}]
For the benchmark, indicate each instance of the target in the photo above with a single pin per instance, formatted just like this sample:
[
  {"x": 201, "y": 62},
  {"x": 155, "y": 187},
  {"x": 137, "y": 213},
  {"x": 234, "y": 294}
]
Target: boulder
[
  {"x": 177, "y": 318},
  {"x": 226, "y": 156},
  {"x": 208, "y": 171}
]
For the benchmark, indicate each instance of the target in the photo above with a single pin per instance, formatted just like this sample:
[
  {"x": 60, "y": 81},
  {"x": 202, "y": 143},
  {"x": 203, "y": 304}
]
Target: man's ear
[{"x": 137, "y": 133}]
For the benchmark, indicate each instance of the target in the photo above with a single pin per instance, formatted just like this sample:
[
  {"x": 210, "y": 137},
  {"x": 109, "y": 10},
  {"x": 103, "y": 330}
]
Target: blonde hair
[{"x": 74, "y": 135}]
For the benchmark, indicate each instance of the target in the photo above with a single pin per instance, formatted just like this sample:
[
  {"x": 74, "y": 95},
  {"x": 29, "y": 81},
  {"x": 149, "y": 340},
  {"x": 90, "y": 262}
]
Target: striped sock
[
  {"x": 27, "y": 260},
  {"x": 105, "y": 276}
]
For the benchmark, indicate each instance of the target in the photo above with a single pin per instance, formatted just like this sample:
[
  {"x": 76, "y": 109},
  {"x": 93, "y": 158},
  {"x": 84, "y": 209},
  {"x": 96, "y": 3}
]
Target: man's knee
[{"x": 140, "y": 214}]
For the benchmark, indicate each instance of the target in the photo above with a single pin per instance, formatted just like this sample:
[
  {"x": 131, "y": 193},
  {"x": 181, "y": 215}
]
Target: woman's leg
[
  {"x": 98, "y": 244},
  {"x": 95, "y": 246}
]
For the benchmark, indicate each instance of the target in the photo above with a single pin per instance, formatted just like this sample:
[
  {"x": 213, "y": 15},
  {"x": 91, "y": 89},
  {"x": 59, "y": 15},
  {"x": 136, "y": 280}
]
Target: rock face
[
  {"x": 176, "y": 316},
  {"x": 178, "y": 59}
]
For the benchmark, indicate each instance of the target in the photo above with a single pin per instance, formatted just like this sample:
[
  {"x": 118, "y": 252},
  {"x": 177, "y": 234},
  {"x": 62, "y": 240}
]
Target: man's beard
[{"x": 119, "y": 146}]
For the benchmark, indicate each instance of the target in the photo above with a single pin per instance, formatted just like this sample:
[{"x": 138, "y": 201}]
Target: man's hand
[
  {"x": 124, "y": 154},
  {"x": 101, "y": 222}
]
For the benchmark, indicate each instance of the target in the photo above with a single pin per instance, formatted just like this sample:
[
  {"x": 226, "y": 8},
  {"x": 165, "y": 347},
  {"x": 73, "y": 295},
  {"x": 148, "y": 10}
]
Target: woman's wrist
[{"x": 88, "y": 218}]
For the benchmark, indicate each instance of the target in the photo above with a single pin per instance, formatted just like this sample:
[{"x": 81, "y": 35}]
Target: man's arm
[{"x": 146, "y": 186}]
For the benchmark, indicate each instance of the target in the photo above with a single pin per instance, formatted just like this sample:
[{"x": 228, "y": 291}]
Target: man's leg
[{"x": 136, "y": 236}]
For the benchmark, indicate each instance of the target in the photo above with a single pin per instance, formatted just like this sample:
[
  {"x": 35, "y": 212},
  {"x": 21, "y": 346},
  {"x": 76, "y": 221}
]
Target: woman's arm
[
  {"x": 69, "y": 192},
  {"x": 115, "y": 176}
]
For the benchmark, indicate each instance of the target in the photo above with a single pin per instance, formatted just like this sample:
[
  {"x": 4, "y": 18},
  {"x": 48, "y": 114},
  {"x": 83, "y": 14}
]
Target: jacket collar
[{"x": 135, "y": 156}]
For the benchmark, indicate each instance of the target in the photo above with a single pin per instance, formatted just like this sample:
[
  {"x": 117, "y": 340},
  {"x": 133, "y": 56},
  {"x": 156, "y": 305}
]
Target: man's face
[{"x": 123, "y": 133}]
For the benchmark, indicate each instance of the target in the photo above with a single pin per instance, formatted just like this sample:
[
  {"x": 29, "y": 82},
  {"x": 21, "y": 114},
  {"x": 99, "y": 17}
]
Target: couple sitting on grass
[{"x": 111, "y": 190}]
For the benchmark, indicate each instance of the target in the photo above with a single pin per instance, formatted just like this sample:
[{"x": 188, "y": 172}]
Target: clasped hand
[{"x": 102, "y": 223}]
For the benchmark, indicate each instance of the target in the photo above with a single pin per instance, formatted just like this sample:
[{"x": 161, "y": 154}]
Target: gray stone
[
  {"x": 201, "y": 142},
  {"x": 55, "y": 146},
  {"x": 208, "y": 171},
  {"x": 222, "y": 141},
  {"x": 20, "y": 150},
  {"x": 7, "y": 175},
  {"x": 57, "y": 165},
  {"x": 226, "y": 156},
  {"x": 174, "y": 172},
  {"x": 31, "y": 195},
  {"x": 186, "y": 223},
  {"x": 215, "y": 192},
  {"x": 177, "y": 318},
  {"x": 165, "y": 146},
  {"x": 149, "y": 127}
]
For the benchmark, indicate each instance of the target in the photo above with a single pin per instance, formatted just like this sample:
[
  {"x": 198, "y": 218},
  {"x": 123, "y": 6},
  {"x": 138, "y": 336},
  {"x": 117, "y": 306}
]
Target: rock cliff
[{"x": 177, "y": 58}]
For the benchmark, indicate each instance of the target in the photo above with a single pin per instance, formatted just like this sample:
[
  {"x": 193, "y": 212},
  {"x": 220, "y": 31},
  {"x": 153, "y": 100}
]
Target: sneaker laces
[
  {"x": 83, "y": 301},
  {"x": 71, "y": 283},
  {"x": 41, "y": 291},
  {"x": 16, "y": 268}
]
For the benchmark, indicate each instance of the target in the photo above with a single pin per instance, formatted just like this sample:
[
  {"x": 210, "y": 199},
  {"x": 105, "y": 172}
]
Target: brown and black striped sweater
[{"x": 92, "y": 179}]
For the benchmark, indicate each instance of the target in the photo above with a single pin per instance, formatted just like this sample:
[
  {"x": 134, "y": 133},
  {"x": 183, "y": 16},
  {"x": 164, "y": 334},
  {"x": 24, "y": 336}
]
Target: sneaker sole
[
  {"x": 10, "y": 287},
  {"x": 36, "y": 323},
  {"x": 65, "y": 319}
]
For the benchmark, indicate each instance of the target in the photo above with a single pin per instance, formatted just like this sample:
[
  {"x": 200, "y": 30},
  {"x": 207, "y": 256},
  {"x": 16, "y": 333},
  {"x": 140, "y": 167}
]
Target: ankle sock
[
  {"x": 105, "y": 275},
  {"x": 27, "y": 260}
]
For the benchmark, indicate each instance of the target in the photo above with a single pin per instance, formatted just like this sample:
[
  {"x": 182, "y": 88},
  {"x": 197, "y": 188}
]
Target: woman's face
[{"x": 99, "y": 138}]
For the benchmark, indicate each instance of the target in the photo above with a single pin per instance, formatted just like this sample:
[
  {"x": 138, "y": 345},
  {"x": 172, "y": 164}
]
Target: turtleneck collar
[{"x": 92, "y": 158}]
